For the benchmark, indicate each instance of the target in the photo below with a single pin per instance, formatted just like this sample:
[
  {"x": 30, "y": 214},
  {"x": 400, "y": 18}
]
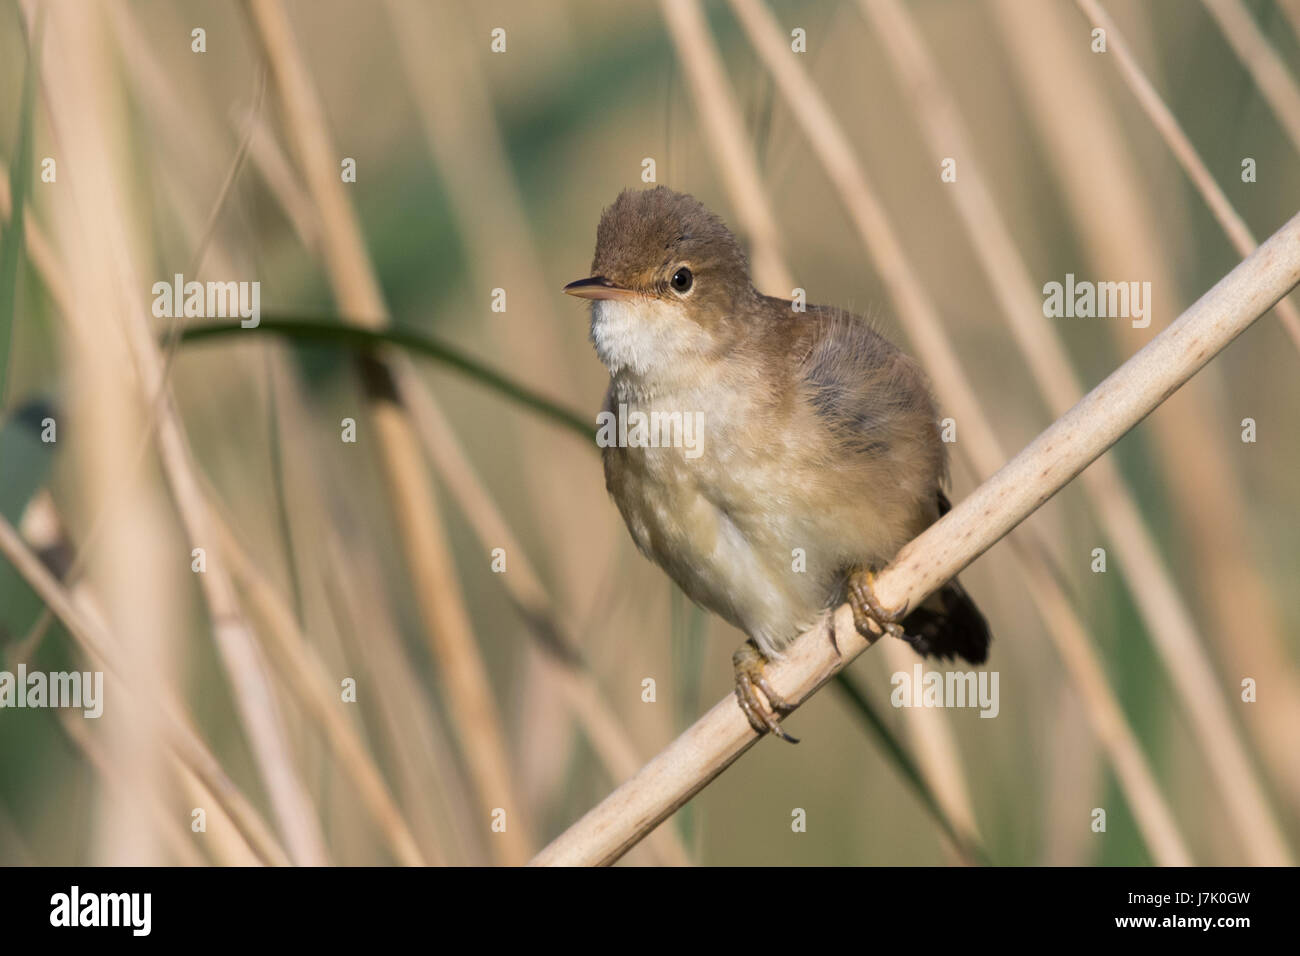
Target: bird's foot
[
  {"x": 867, "y": 610},
  {"x": 752, "y": 686}
]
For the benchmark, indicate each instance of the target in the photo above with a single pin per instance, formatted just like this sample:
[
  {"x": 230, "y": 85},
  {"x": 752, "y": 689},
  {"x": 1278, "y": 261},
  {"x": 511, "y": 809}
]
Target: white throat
[{"x": 645, "y": 343}]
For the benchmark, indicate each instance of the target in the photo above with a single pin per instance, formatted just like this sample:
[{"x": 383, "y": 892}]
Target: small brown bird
[{"x": 815, "y": 454}]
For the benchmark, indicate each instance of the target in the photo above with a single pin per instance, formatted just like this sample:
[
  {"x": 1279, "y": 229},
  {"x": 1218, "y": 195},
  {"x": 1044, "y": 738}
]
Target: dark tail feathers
[{"x": 948, "y": 624}]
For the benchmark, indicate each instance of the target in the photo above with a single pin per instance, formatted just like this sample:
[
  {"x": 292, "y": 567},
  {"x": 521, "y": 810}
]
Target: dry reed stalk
[
  {"x": 1291, "y": 9},
  {"x": 1167, "y": 125},
  {"x": 578, "y": 685},
  {"x": 728, "y": 142},
  {"x": 276, "y": 169},
  {"x": 44, "y": 533},
  {"x": 432, "y": 783},
  {"x": 457, "y": 117},
  {"x": 101, "y": 403},
  {"x": 413, "y": 498},
  {"x": 589, "y": 704},
  {"x": 935, "y": 750},
  {"x": 129, "y": 789},
  {"x": 429, "y": 776},
  {"x": 95, "y": 193},
  {"x": 86, "y": 627},
  {"x": 1266, "y": 67},
  {"x": 1041, "y": 469},
  {"x": 351, "y": 589},
  {"x": 46, "y": 262},
  {"x": 1087, "y": 671},
  {"x": 224, "y": 845},
  {"x": 48, "y": 267},
  {"x": 1120, "y": 232},
  {"x": 298, "y": 665},
  {"x": 1168, "y": 620},
  {"x": 1075, "y": 771},
  {"x": 38, "y": 248},
  {"x": 52, "y": 273},
  {"x": 980, "y": 443},
  {"x": 304, "y": 673}
]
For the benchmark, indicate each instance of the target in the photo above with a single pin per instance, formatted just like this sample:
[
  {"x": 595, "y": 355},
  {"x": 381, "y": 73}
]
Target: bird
[{"x": 817, "y": 453}]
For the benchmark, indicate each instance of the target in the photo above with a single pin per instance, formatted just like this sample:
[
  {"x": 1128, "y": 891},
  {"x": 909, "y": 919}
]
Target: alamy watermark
[
  {"x": 946, "y": 689},
  {"x": 654, "y": 429},
  {"x": 1103, "y": 300},
  {"x": 130, "y": 910},
  {"x": 212, "y": 300},
  {"x": 84, "y": 690}
]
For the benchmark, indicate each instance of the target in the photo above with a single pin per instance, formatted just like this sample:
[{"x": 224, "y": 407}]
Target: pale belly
[{"x": 736, "y": 534}]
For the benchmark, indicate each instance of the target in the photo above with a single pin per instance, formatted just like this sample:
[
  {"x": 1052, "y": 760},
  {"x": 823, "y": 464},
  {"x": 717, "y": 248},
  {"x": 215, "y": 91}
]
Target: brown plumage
[{"x": 820, "y": 453}]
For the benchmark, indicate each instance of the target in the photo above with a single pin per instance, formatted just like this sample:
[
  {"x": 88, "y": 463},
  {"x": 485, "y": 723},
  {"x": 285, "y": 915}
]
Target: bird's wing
[{"x": 870, "y": 394}]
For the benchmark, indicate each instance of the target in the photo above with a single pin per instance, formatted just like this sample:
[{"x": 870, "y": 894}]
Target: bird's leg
[
  {"x": 751, "y": 679},
  {"x": 866, "y": 609}
]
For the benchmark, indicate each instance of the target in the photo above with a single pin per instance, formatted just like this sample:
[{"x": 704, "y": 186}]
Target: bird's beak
[{"x": 597, "y": 287}]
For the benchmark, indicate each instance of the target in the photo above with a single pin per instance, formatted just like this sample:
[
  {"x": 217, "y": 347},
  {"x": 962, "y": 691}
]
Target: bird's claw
[
  {"x": 868, "y": 610},
  {"x": 752, "y": 686}
]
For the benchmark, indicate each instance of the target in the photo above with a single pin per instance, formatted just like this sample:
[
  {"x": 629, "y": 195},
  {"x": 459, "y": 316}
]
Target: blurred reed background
[{"x": 483, "y": 696}]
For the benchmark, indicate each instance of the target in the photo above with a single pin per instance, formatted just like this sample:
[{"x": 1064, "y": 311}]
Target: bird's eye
[{"x": 682, "y": 279}]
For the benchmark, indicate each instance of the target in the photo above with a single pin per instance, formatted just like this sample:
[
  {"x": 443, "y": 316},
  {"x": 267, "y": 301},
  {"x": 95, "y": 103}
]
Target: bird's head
[{"x": 668, "y": 283}]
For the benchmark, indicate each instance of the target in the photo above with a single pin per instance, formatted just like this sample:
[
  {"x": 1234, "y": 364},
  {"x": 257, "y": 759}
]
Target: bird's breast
[{"x": 742, "y": 527}]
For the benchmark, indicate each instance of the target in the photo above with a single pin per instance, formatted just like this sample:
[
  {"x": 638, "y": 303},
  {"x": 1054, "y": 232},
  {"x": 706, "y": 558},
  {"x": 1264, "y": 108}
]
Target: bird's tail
[{"x": 948, "y": 624}]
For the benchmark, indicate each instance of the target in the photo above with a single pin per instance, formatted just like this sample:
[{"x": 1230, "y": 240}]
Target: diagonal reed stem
[
  {"x": 185, "y": 745},
  {"x": 1167, "y": 125},
  {"x": 1121, "y": 230},
  {"x": 1266, "y": 67},
  {"x": 1168, "y": 620}
]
